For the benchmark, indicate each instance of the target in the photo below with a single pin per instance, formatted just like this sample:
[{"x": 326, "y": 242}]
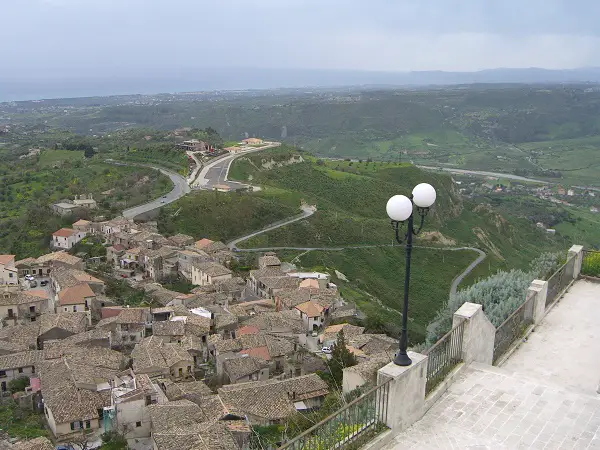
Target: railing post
[
  {"x": 539, "y": 288},
  {"x": 406, "y": 391},
  {"x": 577, "y": 251},
  {"x": 478, "y": 334}
]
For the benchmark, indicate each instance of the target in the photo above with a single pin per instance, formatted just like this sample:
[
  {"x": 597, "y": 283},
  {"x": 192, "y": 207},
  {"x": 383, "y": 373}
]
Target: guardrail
[
  {"x": 355, "y": 423},
  {"x": 443, "y": 356},
  {"x": 560, "y": 280},
  {"x": 514, "y": 327}
]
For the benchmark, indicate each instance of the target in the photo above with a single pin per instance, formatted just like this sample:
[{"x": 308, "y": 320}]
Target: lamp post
[{"x": 400, "y": 209}]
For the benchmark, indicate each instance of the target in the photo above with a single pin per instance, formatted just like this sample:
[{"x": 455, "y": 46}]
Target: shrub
[{"x": 591, "y": 264}]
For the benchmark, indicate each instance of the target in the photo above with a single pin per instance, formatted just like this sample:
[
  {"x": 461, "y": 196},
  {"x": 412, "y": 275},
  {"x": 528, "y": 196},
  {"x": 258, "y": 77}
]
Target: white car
[
  {"x": 29, "y": 277},
  {"x": 327, "y": 350}
]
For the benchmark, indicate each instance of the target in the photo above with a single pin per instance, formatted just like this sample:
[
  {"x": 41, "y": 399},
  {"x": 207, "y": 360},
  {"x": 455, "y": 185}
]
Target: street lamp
[{"x": 400, "y": 209}]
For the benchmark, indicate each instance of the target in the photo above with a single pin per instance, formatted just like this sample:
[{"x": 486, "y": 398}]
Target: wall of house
[
  {"x": 351, "y": 380},
  {"x": 129, "y": 413},
  {"x": 213, "y": 280},
  {"x": 8, "y": 273},
  {"x": 13, "y": 373},
  {"x": 260, "y": 375},
  {"x": 79, "y": 307},
  {"x": 186, "y": 368}
]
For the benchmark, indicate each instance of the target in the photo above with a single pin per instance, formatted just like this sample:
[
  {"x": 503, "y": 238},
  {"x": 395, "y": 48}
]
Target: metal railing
[
  {"x": 560, "y": 280},
  {"x": 353, "y": 425},
  {"x": 514, "y": 327},
  {"x": 443, "y": 356}
]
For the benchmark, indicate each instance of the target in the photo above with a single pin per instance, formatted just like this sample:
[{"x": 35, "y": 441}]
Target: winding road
[
  {"x": 486, "y": 174},
  {"x": 180, "y": 188}
]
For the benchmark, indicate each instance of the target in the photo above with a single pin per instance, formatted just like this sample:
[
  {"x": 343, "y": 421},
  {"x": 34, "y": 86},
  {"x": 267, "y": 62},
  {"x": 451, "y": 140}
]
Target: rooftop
[{"x": 64, "y": 232}]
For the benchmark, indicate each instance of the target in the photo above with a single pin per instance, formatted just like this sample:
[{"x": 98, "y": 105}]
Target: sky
[{"x": 103, "y": 38}]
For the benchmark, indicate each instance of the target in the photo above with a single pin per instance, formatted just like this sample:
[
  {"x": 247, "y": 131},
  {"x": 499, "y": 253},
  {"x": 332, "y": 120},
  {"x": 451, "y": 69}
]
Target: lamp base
[{"x": 402, "y": 359}]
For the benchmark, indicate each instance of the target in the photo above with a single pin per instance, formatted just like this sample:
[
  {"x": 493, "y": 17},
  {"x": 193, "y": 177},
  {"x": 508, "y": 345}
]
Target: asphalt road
[
  {"x": 180, "y": 188},
  {"x": 217, "y": 170},
  {"x": 486, "y": 174}
]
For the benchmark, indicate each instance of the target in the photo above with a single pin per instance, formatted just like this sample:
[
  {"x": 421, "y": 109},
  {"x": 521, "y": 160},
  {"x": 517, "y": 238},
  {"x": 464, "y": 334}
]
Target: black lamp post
[{"x": 400, "y": 209}]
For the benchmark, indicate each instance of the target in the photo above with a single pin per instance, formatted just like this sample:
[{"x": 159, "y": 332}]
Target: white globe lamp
[
  {"x": 399, "y": 208},
  {"x": 424, "y": 195}
]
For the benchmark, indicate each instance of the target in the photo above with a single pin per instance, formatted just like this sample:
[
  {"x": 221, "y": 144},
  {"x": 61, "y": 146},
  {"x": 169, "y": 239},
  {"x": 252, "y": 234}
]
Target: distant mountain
[{"x": 252, "y": 78}]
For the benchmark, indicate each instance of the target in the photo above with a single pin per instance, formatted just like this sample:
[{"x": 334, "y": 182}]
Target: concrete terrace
[{"x": 544, "y": 396}]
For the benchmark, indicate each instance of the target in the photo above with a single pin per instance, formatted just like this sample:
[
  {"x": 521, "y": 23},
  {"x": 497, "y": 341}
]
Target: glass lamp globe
[
  {"x": 424, "y": 195},
  {"x": 399, "y": 208}
]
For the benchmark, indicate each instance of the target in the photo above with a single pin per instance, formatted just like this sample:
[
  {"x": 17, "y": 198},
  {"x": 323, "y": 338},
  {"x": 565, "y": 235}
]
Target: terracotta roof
[
  {"x": 203, "y": 243},
  {"x": 39, "y": 443},
  {"x": 40, "y": 293},
  {"x": 309, "y": 283},
  {"x": 258, "y": 352},
  {"x": 82, "y": 222},
  {"x": 272, "y": 399},
  {"x": 75, "y": 295},
  {"x": 237, "y": 368},
  {"x": 64, "y": 232},
  {"x": 246, "y": 330},
  {"x": 311, "y": 309},
  {"x": 5, "y": 259},
  {"x": 27, "y": 262}
]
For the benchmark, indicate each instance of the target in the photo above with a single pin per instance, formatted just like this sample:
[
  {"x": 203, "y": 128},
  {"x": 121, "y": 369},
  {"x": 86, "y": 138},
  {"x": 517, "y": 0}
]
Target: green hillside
[{"x": 351, "y": 199}]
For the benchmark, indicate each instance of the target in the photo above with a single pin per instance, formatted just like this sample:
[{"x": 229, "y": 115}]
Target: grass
[
  {"x": 52, "y": 157},
  {"x": 19, "y": 423}
]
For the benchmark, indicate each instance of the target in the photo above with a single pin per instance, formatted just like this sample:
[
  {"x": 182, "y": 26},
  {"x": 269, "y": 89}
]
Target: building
[
  {"x": 208, "y": 273},
  {"x": 252, "y": 141},
  {"x": 313, "y": 315},
  {"x": 76, "y": 298},
  {"x": 194, "y": 145},
  {"x": 272, "y": 401},
  {"x": 157, "y": 359},
  {"x": 85, "y": 201},
  {"x": 60, "y": 326},
  {"x": 21, "y": 307},
  {"x": 8, "y": 271},
  {"x": 65, "y": 209},
  {"x": 245, "y": 368},
  {"x": 17, "y": 365},
  {"x": 66, "y": 238}
]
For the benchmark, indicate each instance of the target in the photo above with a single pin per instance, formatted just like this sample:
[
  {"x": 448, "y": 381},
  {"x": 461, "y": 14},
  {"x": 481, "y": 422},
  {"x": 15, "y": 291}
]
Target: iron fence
[
  {"x": 514, "y": 327},
  {"x": 349, "y": 427},
  {"x": 560, "y": 280},
  {"x": 443, "y": 356}
]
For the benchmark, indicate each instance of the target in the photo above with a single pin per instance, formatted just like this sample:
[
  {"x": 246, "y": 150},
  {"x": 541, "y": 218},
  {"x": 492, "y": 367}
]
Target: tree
[
  {"x": 113, "y": 441},
  {"x": 18, "y": 384},
  {"x": 341, "y": 358}
]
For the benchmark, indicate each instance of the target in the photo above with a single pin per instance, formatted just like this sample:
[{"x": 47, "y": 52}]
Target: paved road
[
  {"x": 216, "y": 171},
  {"x": 468, "y": 270},
  {"x": 194, "y": 173},
  {"x": 180, "y": 188},
  {"x": 307, "y": 211},
  {"x": 486, "y": 174}
]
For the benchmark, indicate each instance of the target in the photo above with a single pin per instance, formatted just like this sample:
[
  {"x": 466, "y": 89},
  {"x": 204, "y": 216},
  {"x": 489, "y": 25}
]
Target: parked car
[
  {"x": 29, "y": 277},
  {"x": 32, "y": 283},
  {"x": 315, "y": 333},
  {"x": 44, "y": 283},
  {"x": 327, "y": 350}
]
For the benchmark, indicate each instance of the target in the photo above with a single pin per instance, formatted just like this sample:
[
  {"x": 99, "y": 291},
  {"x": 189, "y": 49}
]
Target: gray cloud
[{"x": 132, "y": 37}]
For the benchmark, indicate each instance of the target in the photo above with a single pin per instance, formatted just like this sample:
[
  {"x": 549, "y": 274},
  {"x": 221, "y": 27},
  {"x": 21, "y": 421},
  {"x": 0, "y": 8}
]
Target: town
[{"x": 232, "y": 354}]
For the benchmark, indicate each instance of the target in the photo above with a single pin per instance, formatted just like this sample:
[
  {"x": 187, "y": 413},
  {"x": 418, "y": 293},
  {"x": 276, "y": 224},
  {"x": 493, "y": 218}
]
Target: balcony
[{"x": 532, "y": 382}]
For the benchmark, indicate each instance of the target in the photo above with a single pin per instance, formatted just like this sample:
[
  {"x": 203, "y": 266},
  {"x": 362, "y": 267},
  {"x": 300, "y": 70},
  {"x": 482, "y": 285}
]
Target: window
[
  {"x": 10, "y": 313},
  {"x": 148, "y": 400},
  {"x": 74, "y": 308},
  {"x": 20, "y": 370},
  {"x": 87, "y": 424},
  {"x": 75, "y": 425},
  {"x": 180, "y": 372},
  {"x": 2, "y": 373},
  {"x": 32, "y": 309},
  {"x": 138, "y": 424},
  {"x": 10, "y": 275},
  {"x": 26, "y": 272}
]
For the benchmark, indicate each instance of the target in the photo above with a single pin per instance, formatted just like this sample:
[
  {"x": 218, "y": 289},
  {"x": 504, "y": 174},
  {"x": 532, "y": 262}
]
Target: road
[
  {"x": 180, "y": 188},
  {"x": 307, "y": 211},
  {"x": 194, "y": 173},
  {"x": 216, "y": 171},
  {"x": 486, "y": 174},
  {"x": 468, "y": 270}
]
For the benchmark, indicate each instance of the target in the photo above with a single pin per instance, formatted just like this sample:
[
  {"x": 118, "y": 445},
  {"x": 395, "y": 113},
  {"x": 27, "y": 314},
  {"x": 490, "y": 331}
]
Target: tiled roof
[
  {"x": 179, "y": 413},
  {"x": 196, "y": 436},
  {"x": 181, "y": 239},
  {"x": 350, "y": 331},
  {"x": 82, "y": 222},
  {"x": 61, "y": 256},
  {"x": 75, "y": 295},
  {"x": 269, "y": 260},
  {"x": 153, "y": 354},
  {"x": 26, "y": 262},
  {"x": 24, "y": 335},
  {"x": 64, "y": 232},
  {"x": 258, "y": 352},
  {"x": 39, "y": 443},
  {"x": 178, "y": 391},
  {"x": 22, "y": 359},
  {"x": 368, "y": 369},
  {"x": 267, "y": 272},
  {"x": 11, "y": 347},
  {"x": 75, "y": 322},
  {"x": 19, "y": 298},
  {"x": 67, "y": 277},
  {"x": 277, "y": 321},
  {"x": 67, "y": 402},
  {"x": 272, "y": 399},
  {"x": 311, "y": 309},
  {"x": 5, "y": 259},
  {"x": 212, "y": 269},
  {"x": 91, "y": 335},
  {"x": 279, "y": 346},
  {"x": 280, "y": 282},
  {"x": 133, "y": 315},
  {"x": 237, "y": 368},
  {"x": 246, "y": 330},
  {"x": 168, "y": 328}
]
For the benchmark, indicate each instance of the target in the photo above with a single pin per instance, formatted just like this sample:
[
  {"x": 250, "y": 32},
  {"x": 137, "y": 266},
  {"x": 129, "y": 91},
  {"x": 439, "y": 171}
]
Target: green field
[{"x": 53, "y": 157}]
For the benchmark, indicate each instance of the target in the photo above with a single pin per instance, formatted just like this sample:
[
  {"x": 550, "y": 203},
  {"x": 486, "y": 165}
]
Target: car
[
  {"x": 29, "y": 277},
  {"x": 164, "y": 196},
  {"x": 162, "y": 200},
  {"x": 44, "y": 283},
  {"x": 315, "y": 333},
  {"x": 32, "y": 283},
  {"x": 327, "y": 350}
]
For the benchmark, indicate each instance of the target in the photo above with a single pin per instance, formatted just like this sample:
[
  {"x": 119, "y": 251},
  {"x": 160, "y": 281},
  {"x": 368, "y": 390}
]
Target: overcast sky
[{"x": 131, "y": 37}]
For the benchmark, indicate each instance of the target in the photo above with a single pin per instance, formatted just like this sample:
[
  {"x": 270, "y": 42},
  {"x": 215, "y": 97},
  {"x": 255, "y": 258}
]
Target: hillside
[{"x": 351, "y": 198}]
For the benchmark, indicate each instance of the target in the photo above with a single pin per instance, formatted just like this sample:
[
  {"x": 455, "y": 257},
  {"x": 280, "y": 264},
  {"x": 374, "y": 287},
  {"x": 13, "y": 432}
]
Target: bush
[
  {"x": 18, "y": 384},
  {"x": 591, "y": 264}
]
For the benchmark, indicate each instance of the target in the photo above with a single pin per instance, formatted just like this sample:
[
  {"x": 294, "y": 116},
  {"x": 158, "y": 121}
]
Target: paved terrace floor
[{"x": 543, "y": 397}]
